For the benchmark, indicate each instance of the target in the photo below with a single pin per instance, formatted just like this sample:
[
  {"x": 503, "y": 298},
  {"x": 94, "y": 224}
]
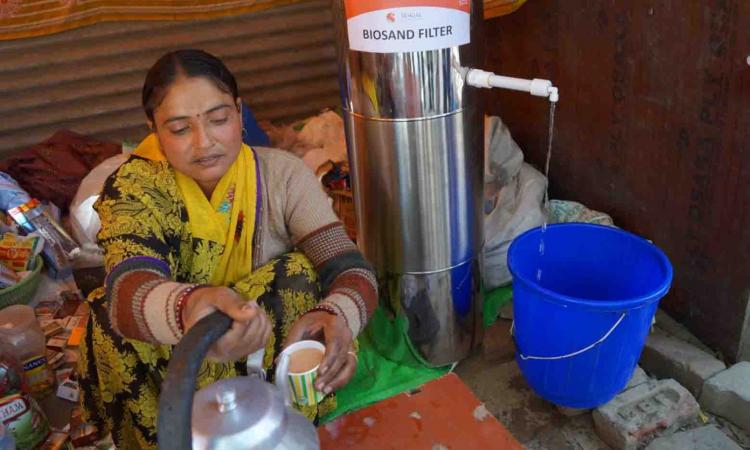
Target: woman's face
[{"x": 200, "y": 130}]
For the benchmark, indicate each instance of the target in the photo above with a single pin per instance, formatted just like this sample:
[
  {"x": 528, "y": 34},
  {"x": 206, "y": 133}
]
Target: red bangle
[
  {"x": 180, "y": 305},
  {"x": 322, "y": 307}
]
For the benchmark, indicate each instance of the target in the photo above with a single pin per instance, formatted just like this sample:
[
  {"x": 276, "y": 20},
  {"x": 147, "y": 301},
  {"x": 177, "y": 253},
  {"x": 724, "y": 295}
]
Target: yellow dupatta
[{"x": 233, "y": 205}]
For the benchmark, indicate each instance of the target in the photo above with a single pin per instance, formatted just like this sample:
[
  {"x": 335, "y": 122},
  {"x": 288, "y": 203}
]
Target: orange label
[
  {"x": 392, "y": 26},
  {"x": 357, "y": 7},
  {"x": 75, "y": 336}
]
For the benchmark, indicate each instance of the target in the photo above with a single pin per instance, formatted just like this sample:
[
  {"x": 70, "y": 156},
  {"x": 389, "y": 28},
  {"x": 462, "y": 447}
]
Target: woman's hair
[{"x": 184, "y": 63}]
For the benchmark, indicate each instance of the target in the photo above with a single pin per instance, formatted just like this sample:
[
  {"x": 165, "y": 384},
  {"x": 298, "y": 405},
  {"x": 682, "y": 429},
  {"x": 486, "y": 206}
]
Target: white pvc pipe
[{"x": 540, "y": 88}]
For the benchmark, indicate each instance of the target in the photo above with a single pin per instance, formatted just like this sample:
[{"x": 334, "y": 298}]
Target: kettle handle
[
  {"x": 177, "y": 389},
  {"x": 282, "y": 378}
]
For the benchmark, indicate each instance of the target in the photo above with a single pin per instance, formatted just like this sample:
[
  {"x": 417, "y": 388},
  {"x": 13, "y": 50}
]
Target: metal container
[
  {"x": 246, "y": 413},
  {"x": 415, "y": 138},
  {"x": 240, "y": 413}
]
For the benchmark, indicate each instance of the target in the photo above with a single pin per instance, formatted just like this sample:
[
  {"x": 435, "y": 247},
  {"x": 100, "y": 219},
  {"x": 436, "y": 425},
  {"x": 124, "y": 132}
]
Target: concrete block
[
  {"x": 639, "y": 377},
  {"x": 704, "y": 438},
  {"x": 637, "y": 415},
  {"x": 665, "y": 323},
  {"x": 669, "y": 357},
  {"x": 728, "y": 395},
  {"x": 498, "y": 344}
]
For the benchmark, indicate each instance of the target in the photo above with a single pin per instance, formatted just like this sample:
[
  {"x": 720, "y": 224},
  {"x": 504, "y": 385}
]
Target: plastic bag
[
  {"x": 11, "y": 194},
  {"x": 502, "y": 157},
  {"x": 513, "y": 193},
  {"x": 84, "y": 220},
  {"x": 519, "y": 209}
]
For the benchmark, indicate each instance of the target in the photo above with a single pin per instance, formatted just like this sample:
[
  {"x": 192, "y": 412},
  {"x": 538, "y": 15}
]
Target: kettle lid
[{"x": 238, "y": 413}]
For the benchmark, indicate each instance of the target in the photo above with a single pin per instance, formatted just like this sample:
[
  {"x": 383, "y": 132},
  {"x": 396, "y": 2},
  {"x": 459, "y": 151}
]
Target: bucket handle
[{"x": 576, "y": 353}]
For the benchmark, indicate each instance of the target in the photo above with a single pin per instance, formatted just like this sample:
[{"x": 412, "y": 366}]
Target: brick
[
  {"x": 669, "y": 357},
  {"x": 704, "y": 438},
  {"x": 728, "y": 395},
  {"x": 639, "y": 377},
  {"x": 635, "y": 416},
  {"x": 665, "y": 323},
  {"x": 497, "y": 343}
]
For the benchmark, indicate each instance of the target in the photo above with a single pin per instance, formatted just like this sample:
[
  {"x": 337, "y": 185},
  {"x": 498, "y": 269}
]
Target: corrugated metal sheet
[{"x": 89, "y": 79}]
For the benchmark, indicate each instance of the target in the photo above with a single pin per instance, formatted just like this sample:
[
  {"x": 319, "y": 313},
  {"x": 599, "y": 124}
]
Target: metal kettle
[{"x": 240, "y": 413}]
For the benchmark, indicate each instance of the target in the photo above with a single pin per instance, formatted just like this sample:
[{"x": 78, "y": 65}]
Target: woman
[{"x": 195, "y": 222}]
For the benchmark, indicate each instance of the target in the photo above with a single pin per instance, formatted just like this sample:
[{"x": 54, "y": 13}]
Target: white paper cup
[{"x": 301, "y": 384}]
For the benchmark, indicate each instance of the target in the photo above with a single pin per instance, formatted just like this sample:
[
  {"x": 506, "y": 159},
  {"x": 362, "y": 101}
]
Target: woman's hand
[
  {"x": 250, "y": 327},
  {"x": 339, "y": 362}
]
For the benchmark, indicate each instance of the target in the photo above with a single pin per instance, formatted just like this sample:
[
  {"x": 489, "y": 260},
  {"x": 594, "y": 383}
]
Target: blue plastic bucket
[{"x": 580, "y": 327}]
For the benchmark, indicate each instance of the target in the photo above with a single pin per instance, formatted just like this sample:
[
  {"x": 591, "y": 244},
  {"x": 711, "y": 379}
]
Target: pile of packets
[
  {"x": 17, "y": 257},
  {"x": 32, "y": 227},
  {"x": 29, "y": 228},
  {"x": 63, "y": 326},
  {"x": 63, "y": 322}
]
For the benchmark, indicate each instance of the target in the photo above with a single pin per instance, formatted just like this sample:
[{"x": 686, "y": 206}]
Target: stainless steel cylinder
[{"x": 415, "y": 139}]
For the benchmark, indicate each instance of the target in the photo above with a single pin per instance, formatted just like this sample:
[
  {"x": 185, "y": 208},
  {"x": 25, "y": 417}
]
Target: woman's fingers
[
  {"x": 241, "y": 340},
  {"x": 249, "y": 331},
  {"x": 307, "y": 327},
  {"x": 203, "y": 301},
  {"x": 337, "y": 367},
  {"x": 251, "y": 337},
  {"x": 250, "y": 328},
  {"x": 222, "y": 350},
  {"x": 332, "y": 360},
  {"x": 296, "y": 333},
  {"x": 335, "y": 357},
  {"x": 345, "y": 374},
  {"x": 334, "y": 333},
  {"x": 258, "y": 334},
  {"x": 334, "y": 380},
  {"x": 236, "y": 307}
]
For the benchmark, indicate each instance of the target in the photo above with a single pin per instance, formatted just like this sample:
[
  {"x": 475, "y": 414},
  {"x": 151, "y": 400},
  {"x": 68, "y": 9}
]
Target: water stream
[{"x": 550, "y": 137}]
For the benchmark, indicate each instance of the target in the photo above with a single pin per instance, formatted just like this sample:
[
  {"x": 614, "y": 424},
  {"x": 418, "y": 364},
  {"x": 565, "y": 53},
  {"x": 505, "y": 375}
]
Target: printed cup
[{"x": 303, "y": 363}]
